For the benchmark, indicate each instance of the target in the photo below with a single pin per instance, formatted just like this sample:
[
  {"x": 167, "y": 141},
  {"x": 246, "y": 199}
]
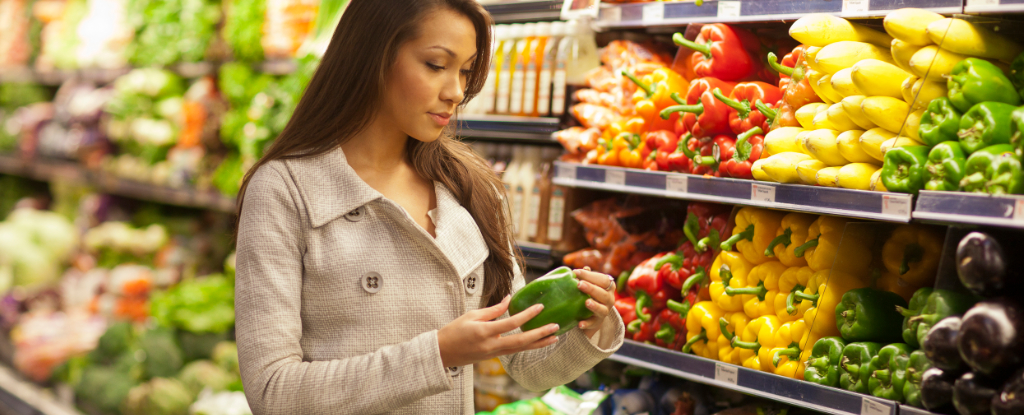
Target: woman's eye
[
  {"x": 436, "y": 68},
  {"x": 466, "y": 72}
]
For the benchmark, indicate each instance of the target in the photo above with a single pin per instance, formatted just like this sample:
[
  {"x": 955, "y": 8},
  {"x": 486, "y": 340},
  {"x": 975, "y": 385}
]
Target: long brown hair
[{"x": 346, "y": 91}]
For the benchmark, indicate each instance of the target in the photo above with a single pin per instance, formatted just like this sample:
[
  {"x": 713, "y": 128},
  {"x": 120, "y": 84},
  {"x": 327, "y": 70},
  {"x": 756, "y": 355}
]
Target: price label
[
  {"x": 728, "y": 9},
  {"x": 653, "y": 12},
  {"x": 617, "y": 177},
  {"x": 611, "y": 14},
  {"x": 982, "y": 3},
  {"x": 873, "y": 407},
  {"x": 895, "y": 205},
  {"x": 727, "y": 373},
  {"x": 566, "y": 171},
  {"x": 676, "y": 183},
  {"x": 762, "y": 193},
  {"x": 1018, "y": 210},
  {"x": 856, "y": 6}
]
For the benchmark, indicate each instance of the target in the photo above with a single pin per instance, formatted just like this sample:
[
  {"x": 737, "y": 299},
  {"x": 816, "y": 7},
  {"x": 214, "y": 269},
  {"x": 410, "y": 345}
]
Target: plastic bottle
[
  {"x": 540, "y": 197},
  {"x": 488, "y": 95},
  {"x": 578, "y": 53},
  {"x": 527, "y": 175},
  {"x": 521, "y": 55},
  {"x": 533, "y": 64},
  {"x": 502, "y": 158},
  {"x": 547, "y": 69},
  {"x": 506, "y": 64},
  {"x": 511, "y": 180}
]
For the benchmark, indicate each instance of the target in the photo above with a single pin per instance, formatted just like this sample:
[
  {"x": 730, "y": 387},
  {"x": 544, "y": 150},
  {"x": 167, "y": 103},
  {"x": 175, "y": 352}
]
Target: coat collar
[{"x": 328, "y": 186}]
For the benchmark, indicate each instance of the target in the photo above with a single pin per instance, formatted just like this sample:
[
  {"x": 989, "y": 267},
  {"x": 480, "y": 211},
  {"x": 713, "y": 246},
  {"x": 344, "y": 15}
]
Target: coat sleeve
[
  {"x": 568, "y": 358},
  {"x": 268, "y": 299}
]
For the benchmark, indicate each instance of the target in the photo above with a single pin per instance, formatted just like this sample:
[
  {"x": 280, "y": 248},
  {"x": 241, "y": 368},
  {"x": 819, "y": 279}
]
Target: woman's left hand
[{"x": 602, "y": 299}]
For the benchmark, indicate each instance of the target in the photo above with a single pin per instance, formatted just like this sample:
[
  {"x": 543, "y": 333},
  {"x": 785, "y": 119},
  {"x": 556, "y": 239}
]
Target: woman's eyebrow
[{"x": 452, "y": 53}]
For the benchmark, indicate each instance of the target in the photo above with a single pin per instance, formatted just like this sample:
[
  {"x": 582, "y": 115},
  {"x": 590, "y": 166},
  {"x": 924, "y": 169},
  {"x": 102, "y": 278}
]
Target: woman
[{"x": 373, "y": 248}]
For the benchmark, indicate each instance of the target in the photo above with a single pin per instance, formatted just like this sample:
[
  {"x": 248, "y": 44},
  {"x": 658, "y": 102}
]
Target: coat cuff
[
  {"x": 432, "y": 369},
  {"x": 609, "y": 338}
]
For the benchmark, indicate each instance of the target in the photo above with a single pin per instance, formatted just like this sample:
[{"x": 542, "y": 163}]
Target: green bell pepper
[
  {"x": 867, "y": 314},
  {"x": 1007, "y": 176},
  {"x": 823, "y": 366},
  {"x": 855, "y": 365},
  {"x": 975, "y": 80},
  {"x": 940, "y": 122},
  {"x": 985, "y": 124},
  {"x": 939, "y": 305},
  {"x": 978, "y": 169},
  {"x": 910, "y": 313},
  {"x": 563, "y": 301},
  {"x": 889, "y": 372},
  {"x": 1017, "y": 128},
  {"x": 904, "y": 170},
  {"x": 945, "y": 166},
  {"x": 1017, "y": 74},
  {"x": 915, "y": 372}
]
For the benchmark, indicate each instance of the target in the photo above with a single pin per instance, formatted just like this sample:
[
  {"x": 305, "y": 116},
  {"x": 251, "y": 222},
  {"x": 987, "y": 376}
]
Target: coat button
[
  {"x": 356, "y": 215},
  {"x": 372, "y": 282},
  {"x": 454, "y": 370},
  {"x": 472, "y": 286}
]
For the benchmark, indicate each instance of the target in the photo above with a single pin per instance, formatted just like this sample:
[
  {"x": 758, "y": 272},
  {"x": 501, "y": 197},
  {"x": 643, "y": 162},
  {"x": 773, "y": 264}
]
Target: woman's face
[{"x": 428, "y": 79}]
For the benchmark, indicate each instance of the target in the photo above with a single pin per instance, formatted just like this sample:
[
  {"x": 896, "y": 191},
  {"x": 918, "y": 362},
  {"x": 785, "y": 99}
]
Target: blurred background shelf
[
  {"x": 19, "y": 397},
  {"x": 533, "y": 130},
  {"x": 524, "y": 11},
  {"x": 537, "y": 256},
  {"x": 970, "y": 208}
]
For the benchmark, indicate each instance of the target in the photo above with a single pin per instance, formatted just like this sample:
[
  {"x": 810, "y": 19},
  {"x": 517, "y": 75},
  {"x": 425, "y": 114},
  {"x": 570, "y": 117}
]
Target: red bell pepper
[
  {"x": 650, "y": 161},
  {"x": 626, "y": 307},
  {"x": 671, "y": 325},
  {"x": 643, "y": 331},
  {"x": 745, "y": 115},
  {"x": 678, "y": 160},
  {"x": 748, "y": 150},
  {"x": 719, "y": 52},
  {"x": 796, "y": 87},
  {"x": 705, "y": 115},
  {"x": 648, "y": 286},
  {"x": 712, "y": 153},
  {"x": 663, "y": 143}
]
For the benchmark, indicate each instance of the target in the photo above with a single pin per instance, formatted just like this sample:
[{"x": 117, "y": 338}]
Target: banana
[
  {"x": 801, "y": 144},
  {"x": 876, "y": 182},
  {"x": 871, "y": 142},
  {"x": 821, "y": 144},
  {"x": 877, "y": 78},
  {"x": 933, "y": 63},
  {"x": 921, "y": 92},
  {"x": 849, "y": 146},
  {"x": 844, "y": 54},
  {"x": 886, "y": 112},
  {"x": 902, "y": 52},
  {"x": 910, "y": 25},
  {"x": 852, "y": 107},
  {"x": 828, "y": 176},
  {"x": 807, "y": 171},
  {"x": 782, "y": 140},
  {"x": 894, "y": 142},
  {"x": 907, "y": 89},
  {"x": 813, "y": 77},
  {"x": 782, "y": 167},
  {"x": 966, "y": 38},
  {"x": 809, "y": 55},
  {"x": 856, "y": 176},
  {"x": 757, "y": 170},
  {"x": 821, "y": 29},
  {"x": 805, "y": 115},
  {"x": 843, "y": 84},
  {"x": 821, "y": 121},
  {"x": 825, "y": 86},
  {"x": 911, "y": 125},
  {"x": 839, "y": 119}
]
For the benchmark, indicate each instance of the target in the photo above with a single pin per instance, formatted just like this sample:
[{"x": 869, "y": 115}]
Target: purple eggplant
[
  {"x": 973, "y": 394},
  {"x": 982, "y": 265},
  {"x": 940, "y": 346},
  {"x": 937, "y": 391},
  {"x": 1010, "y": 399},
  {"x": 991, "y": 339}
]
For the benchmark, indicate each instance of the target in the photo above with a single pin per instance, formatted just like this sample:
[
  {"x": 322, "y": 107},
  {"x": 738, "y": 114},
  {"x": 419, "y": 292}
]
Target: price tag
[
  {"x": 676, "y": 183},
  {"x": 982, "y": 3},
  {"x": 856, "y": 6},
  {"x": 872, "y": 407},
  {"x": 617, "y": 177},
  {"x": 611, "y": 14},
  {"x": 728, "y": 9},
  {"x": 1018, "y": 210},
  {"x": 566, "y": 171},
  {"x": 762, "y": 193},
  {"x": 727, "y": 373},
  {"x": 895, "y": 205},
  {"x": 653, "y": 12}
]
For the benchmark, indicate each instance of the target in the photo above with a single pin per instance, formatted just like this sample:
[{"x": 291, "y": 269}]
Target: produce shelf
[
  {"x": 753, "y": 382},
  {"x": 910, "y": 410},
  {"x": 892, "y": 207},
  {"x": 978, "y": 209},
  {"x": 536, "y": 130},
  {"x": 537, "y": 255},
  {"x": 20, "y": 397},
  {"x": 49, "y": 170},
  {"x": 738, "y": 11},
  {"x": 524, "y": 11},
  {"x": 993, "y": 6}
]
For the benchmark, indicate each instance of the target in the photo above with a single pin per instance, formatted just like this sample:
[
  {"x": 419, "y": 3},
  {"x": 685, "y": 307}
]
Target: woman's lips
[{"x": 440, "y": 119}]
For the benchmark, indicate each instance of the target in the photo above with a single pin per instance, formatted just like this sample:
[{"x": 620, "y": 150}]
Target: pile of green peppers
[{"x": 971, "y": 139}]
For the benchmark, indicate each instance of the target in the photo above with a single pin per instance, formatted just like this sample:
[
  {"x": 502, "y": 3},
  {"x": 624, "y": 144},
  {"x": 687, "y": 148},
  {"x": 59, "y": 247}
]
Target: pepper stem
[
  {"x": 666, "y": 334},
  {"x": 790, "y": 307},
  {"x": 693, "y": 340},
  {"x": 620, "y": 283},
  {"x": 694, "y": 279},
  {"x": 760, "y": 291},
  {"x": 911, "y": 253},
  {"x": 682, "y": 41},
  {"x": 800, "y": 250},
  {"x": 791, "y": 352},
  {"x": 802, "y": 296},
  {"x": 686, "y": 148},
  {"x": 633, "y": 326},
  {"x": 743, "y": 147},
  {"x": 773, "y": 61},
  {"x": 675, "y": 260},
  {"x": 647, "y": 88},
  {"x": 692, "y": 225},
  {"x": 725, "y": 273},
  {"x": 768, "y": 113},
  {"x": 737, "y": 343},
  {"x": 785, "y": 239},
  {"x": 713, "y": 239},
  {"x": 724, "y": 324},
  {"x": 643, "y": 300},
  {"x": 706, "y": 161},
  {"x": 680, "y": 308},
  {"x": 697, "y": 108},
  {"x": 907, "y": 312},
  {"x": 742, "y": 107},
  {"x": 747, "y": 234}
]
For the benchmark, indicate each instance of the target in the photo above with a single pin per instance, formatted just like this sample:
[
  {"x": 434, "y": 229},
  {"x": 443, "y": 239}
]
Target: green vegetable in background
[
  {"x": 976, "y": 80},
  {"x": 939, "y": 305},
  {"x": 981, "y": 168},
  {"x": 945, "y": 166},
  {"x": 940, "y": 122},
  {"x": 889, "y": 372},
  {"x": 116, "y": 341},
  {"x": 867, "y": 314},
  {"x": 205, "y": 374},
  {"x": 199, "y": 345},
  {"x": 327, "y": 19},
  {"x": 105, "y": 388},
  {"x": 1017, "y": 126},
  {"x": 243, "y": 29},
  {"x": 160, "y": 396},
  {"x": 225, "y": 354},
  {"x": 163, "y": 356},
  {"x": 171, "y": 31},
  {"x": 985, "y": 124},
  {"x": 855, "y": 365},
  {"x": 904, "y": 170},
  {"x": 915, "y": 372},
  {"x": 823, "y": 366},
  {"x": 910, "y": 313},
  {"x": 203, "y": 305}
]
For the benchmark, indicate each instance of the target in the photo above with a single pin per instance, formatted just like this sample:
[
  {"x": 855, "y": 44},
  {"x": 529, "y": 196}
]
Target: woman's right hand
[{"x": 473, "y": 337}]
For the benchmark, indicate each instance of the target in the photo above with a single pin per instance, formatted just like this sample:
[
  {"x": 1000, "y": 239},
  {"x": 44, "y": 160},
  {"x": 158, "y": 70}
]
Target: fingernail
[
  {"x": 552, "y": 327},
  {"x": 579, "y": 285},
  {"x": 590, "y": 303},
  {"x": 583, "y": 325},
  {"x": 538, "y": 307},
  {"x": 586, "y": 268}
]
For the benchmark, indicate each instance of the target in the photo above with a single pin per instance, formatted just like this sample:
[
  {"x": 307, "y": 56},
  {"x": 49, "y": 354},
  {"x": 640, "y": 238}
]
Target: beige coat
[{"x": 340, "y": 294}]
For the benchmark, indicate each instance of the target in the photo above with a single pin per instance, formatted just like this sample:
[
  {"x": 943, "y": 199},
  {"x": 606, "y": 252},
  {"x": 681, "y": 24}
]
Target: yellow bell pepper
[
  {"x": 912, "y": 252},
  {"x": 794, "y": 280},
  {"x": 797, "y": 341},
  {"x": 701, "y": 325},
  {"x": 792, "y": 234},
  {"x": 734, "y": 322},
  {"x": 630, "y": 147},
  {"x": 824, "y": 290},
  {"x": 759, "y": 333},
  {"x": 729, "y": 269},
  {"x": 754, "y": 230},
  {"x": 823, "y": 238},
  {"x": 760, "y": 289},
  {"x": 654, "y": 94}
]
